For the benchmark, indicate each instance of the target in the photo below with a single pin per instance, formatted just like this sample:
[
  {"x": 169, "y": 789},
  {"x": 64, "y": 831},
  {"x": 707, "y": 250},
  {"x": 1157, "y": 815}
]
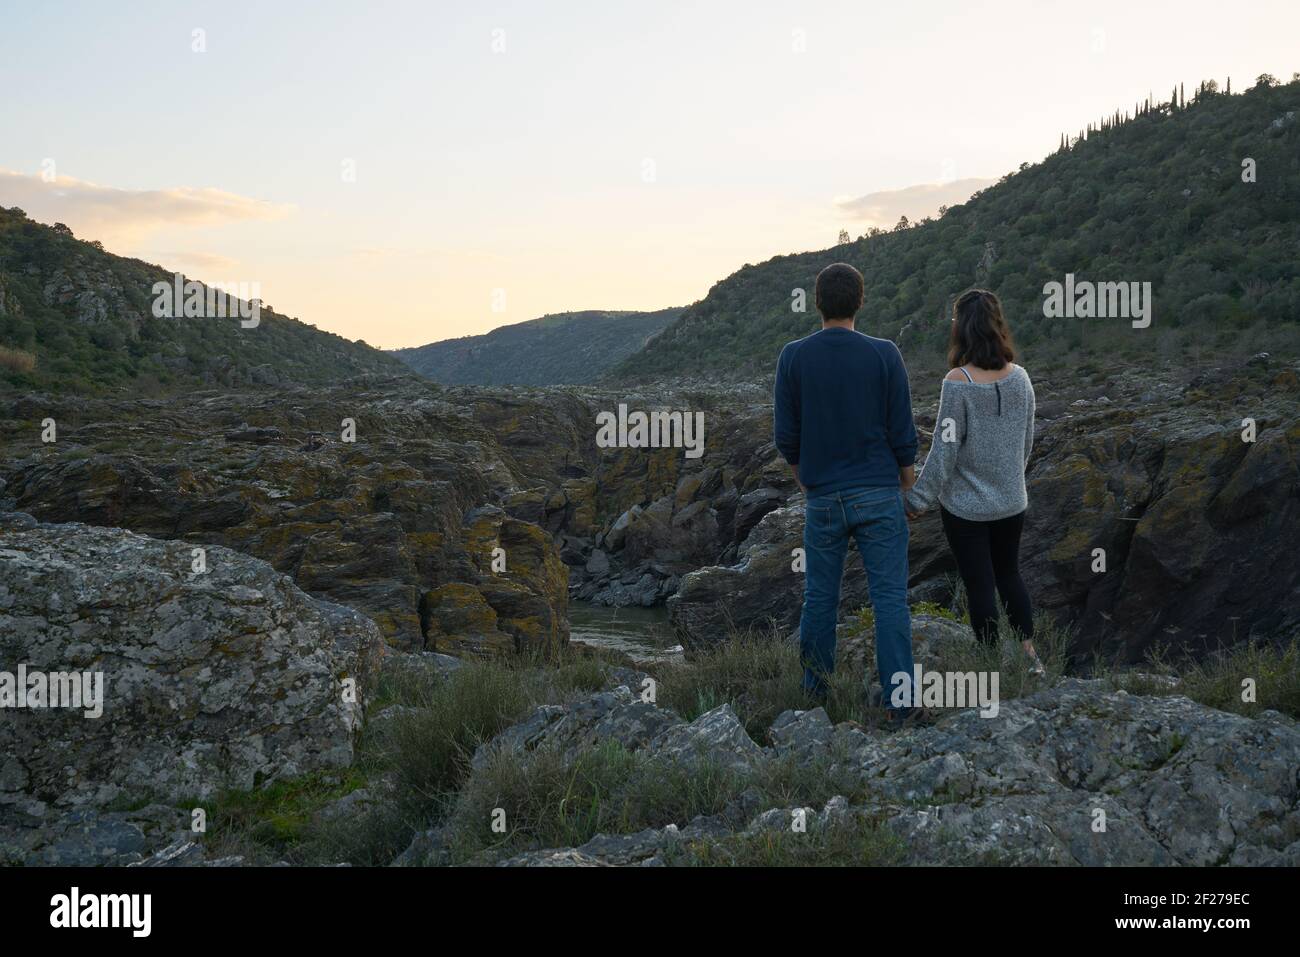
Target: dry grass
[{"x": 17, "y": 360}]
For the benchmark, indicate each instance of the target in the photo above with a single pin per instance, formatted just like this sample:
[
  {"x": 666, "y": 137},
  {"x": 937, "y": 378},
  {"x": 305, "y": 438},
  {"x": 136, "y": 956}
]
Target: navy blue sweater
[{"x": 844, "y": 411}]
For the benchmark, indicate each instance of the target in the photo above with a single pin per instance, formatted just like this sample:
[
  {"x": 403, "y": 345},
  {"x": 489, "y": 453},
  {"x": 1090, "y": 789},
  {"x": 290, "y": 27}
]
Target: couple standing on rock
[{"x": 843, "y": 421}]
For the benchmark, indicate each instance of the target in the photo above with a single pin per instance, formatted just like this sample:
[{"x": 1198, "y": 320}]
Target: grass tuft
[
  {"x": 856, "y": 842},
  {"x": 541, "y": 799},
  {"x": 1266, "y": 674},
  {"x": 17, "y": 360}
]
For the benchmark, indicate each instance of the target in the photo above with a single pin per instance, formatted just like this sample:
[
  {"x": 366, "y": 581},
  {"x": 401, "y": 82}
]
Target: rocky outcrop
[
  {"x": 1076, "y": 774},
  {"x": 194, "y": 670},
  {"x": 631, "y": 521},
  {"x": 1196, "y": 527},
  {"x": 519, "y": 599},
  {"x": 763, "y": 589},
  {"x": 401, "y": 518},
  {"x": 382, "y": 512}
]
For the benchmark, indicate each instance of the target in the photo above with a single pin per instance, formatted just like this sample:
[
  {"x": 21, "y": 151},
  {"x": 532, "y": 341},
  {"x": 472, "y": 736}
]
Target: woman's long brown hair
[{"x": 980, "y": 334}]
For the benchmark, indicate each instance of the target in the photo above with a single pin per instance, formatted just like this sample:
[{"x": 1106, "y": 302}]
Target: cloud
[
  {"x": 123, "y": 217},
  {"x": 201, "y": 262},
  {"x": 915, "y": 202}
]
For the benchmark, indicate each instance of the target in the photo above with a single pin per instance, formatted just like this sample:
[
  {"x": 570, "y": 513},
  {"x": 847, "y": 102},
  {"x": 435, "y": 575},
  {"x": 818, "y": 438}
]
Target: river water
[{"x": 644, "y": 634}]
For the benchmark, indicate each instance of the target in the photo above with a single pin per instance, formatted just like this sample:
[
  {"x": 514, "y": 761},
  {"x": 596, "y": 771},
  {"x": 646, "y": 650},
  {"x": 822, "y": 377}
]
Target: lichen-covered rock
[
  {"x": 569, "y": 857},
  {"x": 716, "y": 737},
  {"x": 226, "y": 677},
  {"x": 1076, "y": 774},
  {"x": 763, "y": 589},
  {"x": 614, "y": 715},
  {"x": 188, "y": 853},
  {"x": 374, "y": 521},
  {"x": 643, "y": 848},
  {"x": 1194, "y": 522},
  {"x": 456, "y": 617},
  {"x": 798, "y": 732},
  {"x": 1178, "y": 782}
]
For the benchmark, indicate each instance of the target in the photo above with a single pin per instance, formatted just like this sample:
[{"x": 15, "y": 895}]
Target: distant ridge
[{"x": 567, "y": 348}]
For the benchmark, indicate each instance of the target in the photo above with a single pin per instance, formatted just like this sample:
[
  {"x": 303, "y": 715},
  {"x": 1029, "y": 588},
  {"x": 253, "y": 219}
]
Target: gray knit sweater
[{"x": 982, "y": 437}]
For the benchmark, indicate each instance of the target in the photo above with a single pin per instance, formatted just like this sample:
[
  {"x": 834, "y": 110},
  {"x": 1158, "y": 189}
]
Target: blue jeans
[{"x": 874, "y": 517}]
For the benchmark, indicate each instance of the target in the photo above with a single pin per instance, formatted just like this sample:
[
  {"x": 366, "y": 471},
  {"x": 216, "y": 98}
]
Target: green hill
[
  {"x": 76, "y": 318},
  {"x": 568, "y": 348},
  {"x": 1157, "y": 197}
]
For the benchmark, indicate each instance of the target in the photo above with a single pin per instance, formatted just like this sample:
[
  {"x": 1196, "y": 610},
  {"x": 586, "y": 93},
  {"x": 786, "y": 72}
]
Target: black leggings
[{"x": 988, "y": 558}]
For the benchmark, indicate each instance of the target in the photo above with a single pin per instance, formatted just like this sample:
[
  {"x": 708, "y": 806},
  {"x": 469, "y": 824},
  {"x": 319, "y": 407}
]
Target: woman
[{"x": 976, "y": 466}]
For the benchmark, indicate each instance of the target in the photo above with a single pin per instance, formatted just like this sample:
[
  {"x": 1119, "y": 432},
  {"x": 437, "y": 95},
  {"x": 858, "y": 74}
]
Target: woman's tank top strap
[{"x": 966, "y": 374}]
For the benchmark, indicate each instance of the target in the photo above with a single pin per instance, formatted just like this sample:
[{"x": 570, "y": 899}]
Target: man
[{"x": 844, "y": 424}]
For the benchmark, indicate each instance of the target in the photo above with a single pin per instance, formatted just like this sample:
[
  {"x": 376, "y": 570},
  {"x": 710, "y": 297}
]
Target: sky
[{"x": 406, "y": 172}]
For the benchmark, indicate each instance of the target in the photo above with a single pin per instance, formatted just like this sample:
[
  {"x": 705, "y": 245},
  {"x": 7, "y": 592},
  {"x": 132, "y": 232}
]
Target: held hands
[{"x": 906, "y": 479}]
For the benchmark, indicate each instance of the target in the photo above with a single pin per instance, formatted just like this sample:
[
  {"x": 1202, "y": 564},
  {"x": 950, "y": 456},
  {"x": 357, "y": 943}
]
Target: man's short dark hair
[{"x": 839, "y": 291}]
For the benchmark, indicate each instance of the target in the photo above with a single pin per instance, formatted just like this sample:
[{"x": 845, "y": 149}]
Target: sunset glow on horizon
[{"x": 405, "y": 173}]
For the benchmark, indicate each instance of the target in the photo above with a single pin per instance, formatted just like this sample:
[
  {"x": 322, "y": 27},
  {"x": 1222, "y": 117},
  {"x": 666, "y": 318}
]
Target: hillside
[
  {"x": 568, "y": 348},
  {"x": 85, "y": 317},
  {"x": 1156, "y": 198}
]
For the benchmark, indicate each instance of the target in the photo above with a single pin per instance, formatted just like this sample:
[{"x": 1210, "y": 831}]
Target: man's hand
[
  {"x": 906, "y": 479},
  {"x": 795, "y": 470}
]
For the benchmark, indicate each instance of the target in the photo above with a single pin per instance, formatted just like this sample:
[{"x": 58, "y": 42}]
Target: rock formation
[
  {"x": 1177, "y": 782},
  {"x": 1196, "y": 525},
  {"x": 215, "y": 672}
]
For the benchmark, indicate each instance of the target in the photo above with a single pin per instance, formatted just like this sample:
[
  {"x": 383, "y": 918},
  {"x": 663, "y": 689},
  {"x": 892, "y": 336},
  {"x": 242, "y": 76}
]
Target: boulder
[
  {"x": 1179, "y": 783},
  {"x": 614, "y": 715},
  {"x": 762, "y": 590},
  {"x": 229, "y": 677},
  {"x": 716, "y": 737}
]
